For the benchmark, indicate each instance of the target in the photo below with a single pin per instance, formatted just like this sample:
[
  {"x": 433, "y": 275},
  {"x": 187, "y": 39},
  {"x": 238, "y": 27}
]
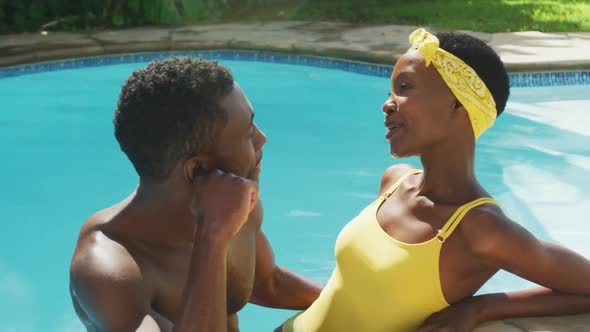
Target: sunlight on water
[{"x": 323, "y": 162}]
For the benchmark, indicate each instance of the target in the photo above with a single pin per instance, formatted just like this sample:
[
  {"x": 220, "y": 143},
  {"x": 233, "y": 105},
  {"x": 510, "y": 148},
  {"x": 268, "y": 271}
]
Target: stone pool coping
[{"x": 520, "y": 51}]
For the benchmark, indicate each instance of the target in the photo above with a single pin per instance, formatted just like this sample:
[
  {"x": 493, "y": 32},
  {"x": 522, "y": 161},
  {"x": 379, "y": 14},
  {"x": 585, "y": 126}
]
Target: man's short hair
[
  {"x": 169, "y": 112},
  {"x": 482, "y": 58}
]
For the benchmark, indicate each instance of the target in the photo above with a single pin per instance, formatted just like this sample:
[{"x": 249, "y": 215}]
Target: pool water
[{"x": 323, "y": 161}]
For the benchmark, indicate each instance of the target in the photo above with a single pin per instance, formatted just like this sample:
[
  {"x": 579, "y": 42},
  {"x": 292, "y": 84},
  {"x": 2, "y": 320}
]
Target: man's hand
[
  {"x": 463, "y": 316},
  {"x": 221, "y": 203}
]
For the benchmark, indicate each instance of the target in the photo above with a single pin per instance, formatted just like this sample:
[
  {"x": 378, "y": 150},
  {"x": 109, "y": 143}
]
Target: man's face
[{"x": 239, "y": 149}]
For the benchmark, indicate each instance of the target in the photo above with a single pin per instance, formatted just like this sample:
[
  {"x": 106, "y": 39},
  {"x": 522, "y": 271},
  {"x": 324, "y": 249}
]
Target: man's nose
[{"x": 260, "y": 138}]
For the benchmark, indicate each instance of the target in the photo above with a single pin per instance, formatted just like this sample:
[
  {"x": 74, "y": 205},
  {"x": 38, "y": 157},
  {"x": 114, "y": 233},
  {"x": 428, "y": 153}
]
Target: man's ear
[{"x": 195, "y": 165}]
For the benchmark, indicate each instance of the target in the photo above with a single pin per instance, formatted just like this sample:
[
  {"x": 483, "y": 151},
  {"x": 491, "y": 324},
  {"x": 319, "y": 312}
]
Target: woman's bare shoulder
[{"x": 392, "y": 174}]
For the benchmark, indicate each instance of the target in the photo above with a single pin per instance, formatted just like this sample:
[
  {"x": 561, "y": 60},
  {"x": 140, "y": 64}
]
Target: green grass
[
  {"x": 483, "y": 15},
  {"x": 476, "y": 15}
]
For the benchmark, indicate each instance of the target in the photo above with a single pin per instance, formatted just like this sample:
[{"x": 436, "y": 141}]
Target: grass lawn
[{"x": 481, "y": 15}]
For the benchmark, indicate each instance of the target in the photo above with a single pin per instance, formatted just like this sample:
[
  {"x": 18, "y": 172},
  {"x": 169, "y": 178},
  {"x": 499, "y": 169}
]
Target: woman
[{"x": 434, "y": 237}]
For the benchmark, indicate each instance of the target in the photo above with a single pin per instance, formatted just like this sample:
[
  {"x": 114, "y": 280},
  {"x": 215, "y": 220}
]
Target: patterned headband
[{"x": 463, "y": 81}]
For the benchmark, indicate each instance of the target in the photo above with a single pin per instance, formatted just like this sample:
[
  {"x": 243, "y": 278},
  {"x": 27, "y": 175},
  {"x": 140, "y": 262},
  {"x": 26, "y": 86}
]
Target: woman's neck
[{"x": 449, "y": 173}]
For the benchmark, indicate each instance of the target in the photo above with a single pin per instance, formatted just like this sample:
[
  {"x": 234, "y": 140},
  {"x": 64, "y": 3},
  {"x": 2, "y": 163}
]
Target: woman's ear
[
  {"x": 458, "y": 108},
  {"x": 195, "y": 165}
]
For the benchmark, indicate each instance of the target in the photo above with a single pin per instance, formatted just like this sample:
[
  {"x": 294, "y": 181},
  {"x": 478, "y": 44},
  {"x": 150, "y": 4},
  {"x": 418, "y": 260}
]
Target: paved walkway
[{"x": 381, "y": 44}]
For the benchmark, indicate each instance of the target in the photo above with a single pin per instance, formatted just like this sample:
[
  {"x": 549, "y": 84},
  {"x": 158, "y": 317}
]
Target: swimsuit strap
[
  {"x": 391, "y": 189},
  {"x": 456, "y": 218}
]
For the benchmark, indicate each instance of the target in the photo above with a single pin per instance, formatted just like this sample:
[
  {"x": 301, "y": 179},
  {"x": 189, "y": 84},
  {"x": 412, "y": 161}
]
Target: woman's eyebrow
[
  {"x": 403, "y": 75},
  {"x": 406, "y": 74}
]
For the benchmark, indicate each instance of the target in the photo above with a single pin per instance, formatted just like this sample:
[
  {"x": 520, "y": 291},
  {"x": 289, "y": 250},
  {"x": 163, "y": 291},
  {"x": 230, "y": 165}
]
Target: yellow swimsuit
[{"x": 379, "y": 283}]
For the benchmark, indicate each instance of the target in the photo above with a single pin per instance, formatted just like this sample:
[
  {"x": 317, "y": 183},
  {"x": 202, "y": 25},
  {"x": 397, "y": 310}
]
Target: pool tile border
[{"x": 517, "y": 79}]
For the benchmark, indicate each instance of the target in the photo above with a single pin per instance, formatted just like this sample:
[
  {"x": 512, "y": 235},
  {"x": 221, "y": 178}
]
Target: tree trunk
[
  {"x": 180, "y": 10},
  {"x": 105, "y": 12}
]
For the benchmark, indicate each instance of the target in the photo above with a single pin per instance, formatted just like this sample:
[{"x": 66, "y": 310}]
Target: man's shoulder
[
  {"x": 105, "y": 280},
  {"x": 96, "y": 249},
  {"x": 97, "y": 221},
  {"x": 100, "y": 259}
]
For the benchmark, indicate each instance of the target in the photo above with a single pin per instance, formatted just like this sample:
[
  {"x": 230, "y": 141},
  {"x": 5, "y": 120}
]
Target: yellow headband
[{"x": 463, "y": 81}]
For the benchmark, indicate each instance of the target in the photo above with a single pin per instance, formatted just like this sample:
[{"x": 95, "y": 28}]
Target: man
[{"x": 185, "y": 251}]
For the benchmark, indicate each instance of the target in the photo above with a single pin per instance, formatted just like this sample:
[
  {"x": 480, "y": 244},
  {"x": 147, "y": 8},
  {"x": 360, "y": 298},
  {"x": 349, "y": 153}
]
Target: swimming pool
[{"x": 325, "y": 130}]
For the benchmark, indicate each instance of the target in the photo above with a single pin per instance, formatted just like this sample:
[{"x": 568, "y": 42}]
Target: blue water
[{"x": 323, "y": 160}]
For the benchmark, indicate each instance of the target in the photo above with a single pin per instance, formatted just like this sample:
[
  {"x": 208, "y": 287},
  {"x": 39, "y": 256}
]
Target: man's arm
[
  {"x": 277, "y": 287},
  {"x": 221, "y": 204},
  {"x": 108, "y": 289},
  {"x": 204, "y": 306},
  {"x": 108, "y": 284},
  {"x": 109, "y": 296},
  {"x": 109, "y": 293}
]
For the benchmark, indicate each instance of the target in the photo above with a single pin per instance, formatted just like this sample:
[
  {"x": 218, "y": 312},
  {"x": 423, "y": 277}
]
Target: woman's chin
[
  {"x": 399, "y": 152},
  {"x": 398, "y": 156},
  {"x": 395, "y": 151}
]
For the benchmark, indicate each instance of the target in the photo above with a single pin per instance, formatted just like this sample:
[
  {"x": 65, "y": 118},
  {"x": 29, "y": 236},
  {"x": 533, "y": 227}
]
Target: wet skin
[
  {"x": 137, "y": 253},
  {"x": 424, "y": 119}
]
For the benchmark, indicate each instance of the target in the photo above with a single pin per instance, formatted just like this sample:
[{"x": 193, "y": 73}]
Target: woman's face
[{"x": 418, "y": 110}]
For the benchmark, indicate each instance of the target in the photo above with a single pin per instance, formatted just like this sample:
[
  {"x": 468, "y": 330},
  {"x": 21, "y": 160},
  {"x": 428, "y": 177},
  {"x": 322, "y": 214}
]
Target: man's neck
[{"x": 160, "y": 212}]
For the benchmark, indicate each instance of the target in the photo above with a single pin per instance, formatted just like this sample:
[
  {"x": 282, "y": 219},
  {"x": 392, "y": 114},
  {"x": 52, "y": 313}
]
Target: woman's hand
[{"x": 463, "y": 316}]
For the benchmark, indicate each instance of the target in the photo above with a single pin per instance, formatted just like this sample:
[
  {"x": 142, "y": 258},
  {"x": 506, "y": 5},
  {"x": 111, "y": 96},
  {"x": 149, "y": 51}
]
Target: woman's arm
[
  {"x": 532, "y": 302},
  {"x": 465, "y": 315},
  {"x": 503, "y": 244}
]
